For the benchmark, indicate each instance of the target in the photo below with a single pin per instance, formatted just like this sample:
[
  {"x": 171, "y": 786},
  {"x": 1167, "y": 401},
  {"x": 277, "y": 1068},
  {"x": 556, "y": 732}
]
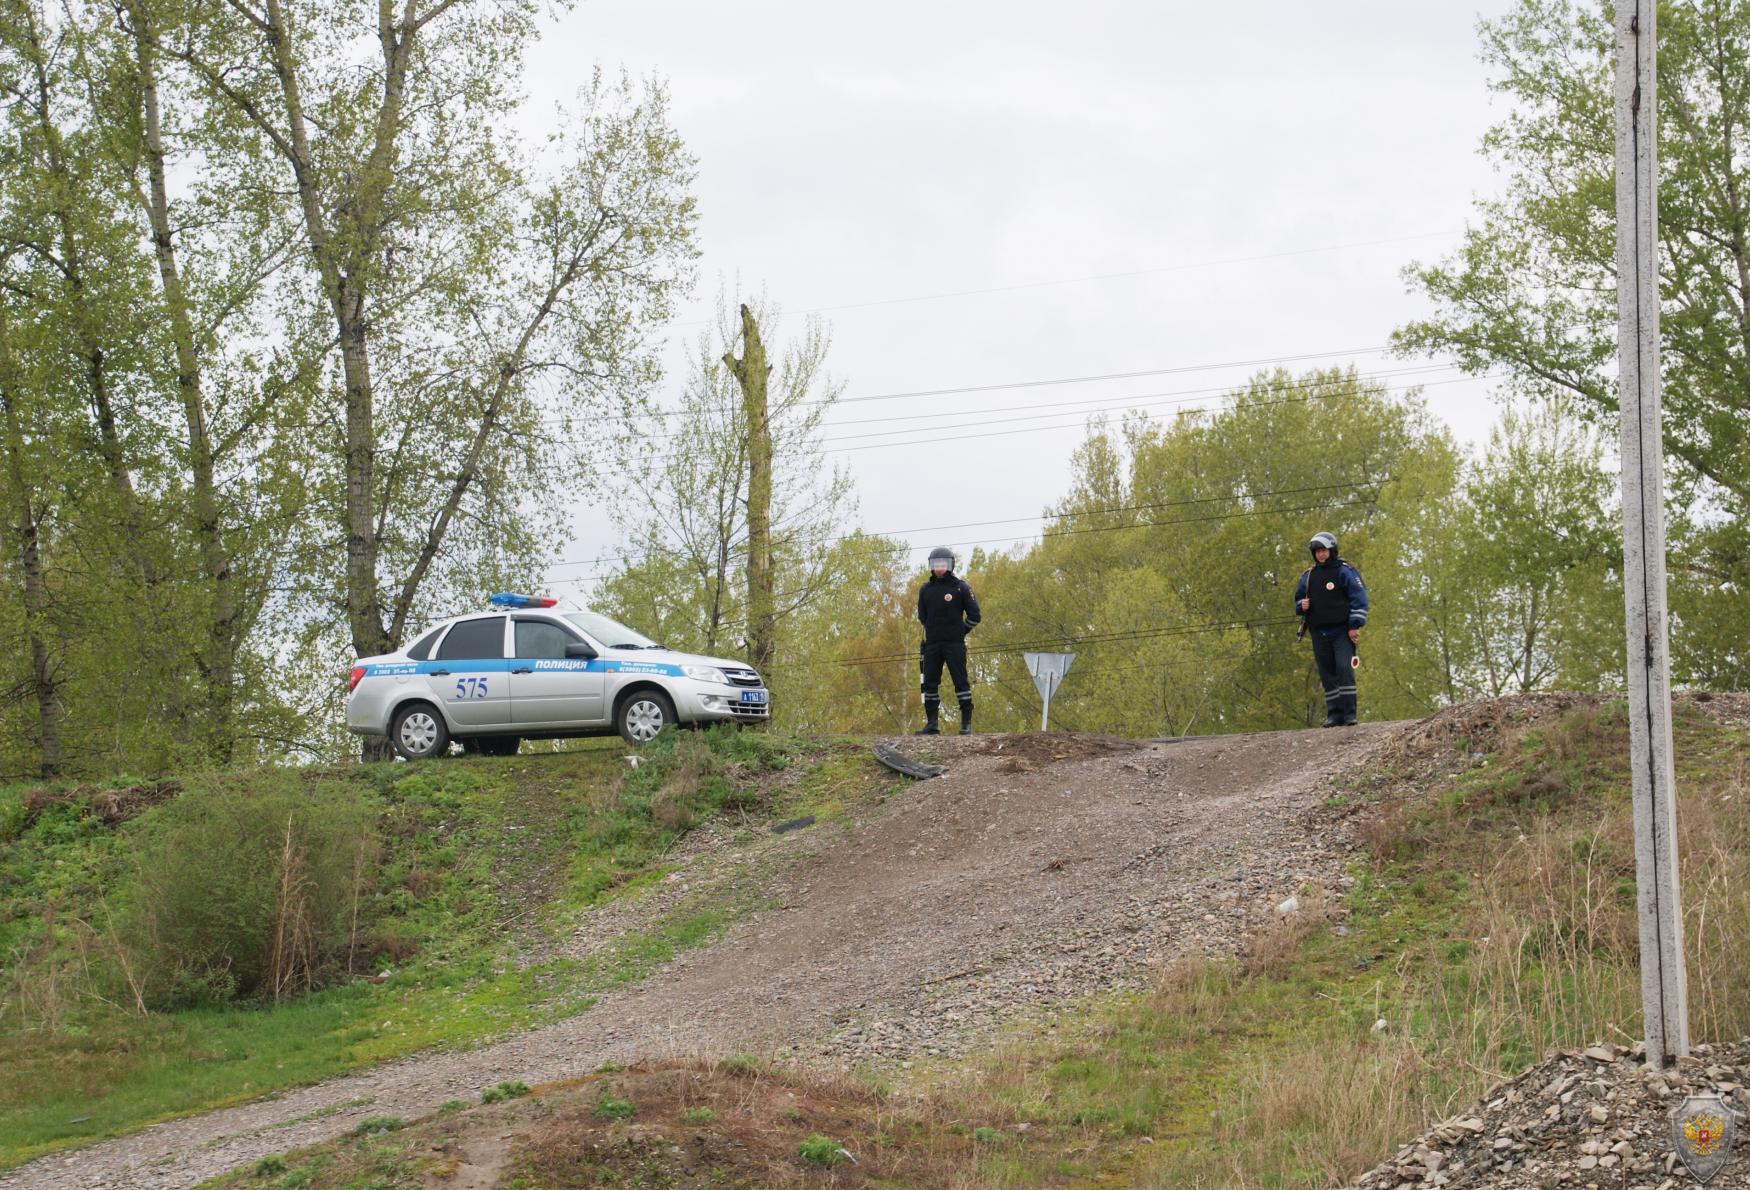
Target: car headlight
[{"x": 705, "y": 673}]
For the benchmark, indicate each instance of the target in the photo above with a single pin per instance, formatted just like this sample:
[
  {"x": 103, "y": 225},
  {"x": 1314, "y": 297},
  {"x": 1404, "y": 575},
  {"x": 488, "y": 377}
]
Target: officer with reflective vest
[
  {"x": 1332, "y": 604},
  {"x": 948, "y": 612}
]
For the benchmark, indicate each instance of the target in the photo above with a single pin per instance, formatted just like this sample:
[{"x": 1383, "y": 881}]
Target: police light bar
[{"x": 506, "y": 599}]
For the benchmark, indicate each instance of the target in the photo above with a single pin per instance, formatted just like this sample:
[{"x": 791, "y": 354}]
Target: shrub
[
  {"x": 609, "y": 1108},
  {"x": 510, "y": 1089},
  {"x": 698, "y": 1115},
  {"x": 740, "y": 1066},
  {"x": 249, "y": 889},
  {"x": 821, "y": 1150},
  {"x": 271, "y": 1164},
  {"x": 377, "y": 1125}
]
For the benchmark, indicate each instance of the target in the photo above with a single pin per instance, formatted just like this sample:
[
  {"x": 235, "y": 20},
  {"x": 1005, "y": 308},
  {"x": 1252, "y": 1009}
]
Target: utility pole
[{"x": 1664, "y": 988}]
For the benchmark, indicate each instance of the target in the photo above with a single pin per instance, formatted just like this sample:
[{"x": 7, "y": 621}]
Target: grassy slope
[
  {"x": 1491, "y": 921},
  {"x": 480, "y": 859}
]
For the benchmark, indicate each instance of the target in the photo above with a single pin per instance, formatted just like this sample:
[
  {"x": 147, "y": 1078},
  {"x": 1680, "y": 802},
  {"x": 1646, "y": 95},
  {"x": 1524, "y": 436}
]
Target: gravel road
[{"x": 1039, "y": 869}]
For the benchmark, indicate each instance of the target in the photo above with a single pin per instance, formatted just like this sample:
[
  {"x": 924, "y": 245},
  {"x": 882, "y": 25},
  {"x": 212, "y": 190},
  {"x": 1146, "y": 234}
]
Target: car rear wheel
[
  {"x": 643, "y": 716},
  {"x": 419, "y": 732}
]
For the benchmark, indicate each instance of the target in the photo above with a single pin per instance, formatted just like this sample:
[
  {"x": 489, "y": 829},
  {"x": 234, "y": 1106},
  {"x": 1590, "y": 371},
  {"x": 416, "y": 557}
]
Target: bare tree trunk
[
  {"x": 751, "y": 372},
  {"x": 719, "y": 579},
  {"x": 218, "y": 655},
  {"x": 1525, "y": 670},
  {"x": 36, "y": 601},
  {"x": 344, "y": 263}
]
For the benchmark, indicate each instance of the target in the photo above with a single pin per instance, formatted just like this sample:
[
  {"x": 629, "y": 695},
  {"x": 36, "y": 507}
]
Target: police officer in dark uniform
[
  {"x": 948, "y": 611},
  {"x": 1332, "y": 604}
]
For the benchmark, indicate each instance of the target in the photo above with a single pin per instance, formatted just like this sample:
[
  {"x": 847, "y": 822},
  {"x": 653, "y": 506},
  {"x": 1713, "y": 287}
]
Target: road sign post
[
  {"x": 1047, "y": 670},
  {"x": 1664, "y": 992}
]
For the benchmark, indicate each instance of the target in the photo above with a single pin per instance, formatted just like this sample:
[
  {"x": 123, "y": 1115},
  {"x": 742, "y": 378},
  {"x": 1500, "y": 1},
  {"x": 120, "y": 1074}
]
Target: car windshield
[{"x": 611, "y": 633}]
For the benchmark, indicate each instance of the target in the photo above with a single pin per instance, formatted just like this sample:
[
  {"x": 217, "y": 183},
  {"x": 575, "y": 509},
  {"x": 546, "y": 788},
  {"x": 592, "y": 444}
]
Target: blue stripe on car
[{"x": 495, "y": 665}]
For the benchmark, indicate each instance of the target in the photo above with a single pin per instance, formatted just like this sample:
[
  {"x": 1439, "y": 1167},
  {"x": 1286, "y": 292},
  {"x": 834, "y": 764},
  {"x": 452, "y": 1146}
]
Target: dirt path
[{"x": 1040, "y": 868}]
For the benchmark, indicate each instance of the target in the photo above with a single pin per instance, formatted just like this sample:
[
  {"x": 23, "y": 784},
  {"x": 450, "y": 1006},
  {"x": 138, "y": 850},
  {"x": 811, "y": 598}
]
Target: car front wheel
[
  {"x": 643, "y": 716},
  {"x": 419, "y": 732}
]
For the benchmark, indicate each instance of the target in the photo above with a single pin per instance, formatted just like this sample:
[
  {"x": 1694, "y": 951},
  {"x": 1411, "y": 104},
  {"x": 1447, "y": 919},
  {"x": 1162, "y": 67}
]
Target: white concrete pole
[{"x": 1664, "y": 988}]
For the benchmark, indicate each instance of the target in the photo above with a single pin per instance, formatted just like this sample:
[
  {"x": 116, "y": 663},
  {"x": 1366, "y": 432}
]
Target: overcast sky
[{"x": 1261, "y": 171}]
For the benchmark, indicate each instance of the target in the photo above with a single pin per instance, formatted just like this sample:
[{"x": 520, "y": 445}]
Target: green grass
[
  {"x": 477, "y": 853},
  {"x": 503, "y": 1091},
  {"x": 820, "y": 1150},
  {"x": 1270, "y": 1072},
  {"x": 610, "y": 1108}
]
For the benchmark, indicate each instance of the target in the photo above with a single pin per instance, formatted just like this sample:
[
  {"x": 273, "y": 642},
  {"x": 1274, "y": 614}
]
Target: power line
[
  {"x": 1151, "y": 506},
  {"x": 1126, "y": 405},
  {"x": 1166, "y": 268},
  {"x": 985, "y": 388},
  {"x": 1046, "y": 383},
  {"x": 1091, "y": 639},
  {"x": 1108, "y": 638},
  {"x": 1037, "y": 429},
  {"x": 1100, "y": 404},
  {"x": 1001, "y": 433},
  {"x": 1303, "y": 387}
]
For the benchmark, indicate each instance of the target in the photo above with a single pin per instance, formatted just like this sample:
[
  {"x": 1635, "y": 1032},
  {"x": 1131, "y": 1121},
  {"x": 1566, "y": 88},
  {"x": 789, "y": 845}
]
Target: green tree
[
  {"x": 1539, "y": 559},
  {"x": 1531, "y": 294},
  {"x": 82, "y": 472},
  {"x": 1169, "y": 568},
  {"x": 166, "y": 304},
  {"x": 480, "y": 304}
]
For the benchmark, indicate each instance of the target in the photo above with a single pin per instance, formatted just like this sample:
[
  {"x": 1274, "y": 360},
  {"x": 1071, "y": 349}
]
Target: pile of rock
[{"x": 1597, "y": 1119}]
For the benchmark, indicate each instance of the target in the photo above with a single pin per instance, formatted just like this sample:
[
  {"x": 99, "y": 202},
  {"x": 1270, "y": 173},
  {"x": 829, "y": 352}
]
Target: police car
[{"x": 526, "y": 671}]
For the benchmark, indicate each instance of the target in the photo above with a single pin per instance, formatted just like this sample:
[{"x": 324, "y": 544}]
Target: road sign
[{"x": 1047, "y": 670}]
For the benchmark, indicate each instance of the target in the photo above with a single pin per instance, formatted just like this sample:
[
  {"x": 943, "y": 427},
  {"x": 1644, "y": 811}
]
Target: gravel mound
[{"x": 1597, "y": 1119}]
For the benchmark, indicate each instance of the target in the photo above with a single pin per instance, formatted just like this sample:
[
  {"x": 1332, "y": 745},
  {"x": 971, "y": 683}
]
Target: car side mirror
[{"x": 580, "y": 651}]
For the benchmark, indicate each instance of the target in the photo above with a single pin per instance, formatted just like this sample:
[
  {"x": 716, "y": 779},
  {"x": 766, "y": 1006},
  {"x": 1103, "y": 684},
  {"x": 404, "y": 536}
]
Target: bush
[
  {"x": 378, "y": 1125},
  {"x": 608, "y": 1108},
  {"x": 821, "y": 1150},
  {"x": 506, "y": 1090},
  {"x": 249, "y": 889},
  {"x": 740, "y": 1066}
]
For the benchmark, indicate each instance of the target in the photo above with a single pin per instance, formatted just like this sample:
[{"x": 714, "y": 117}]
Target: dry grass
[
  {"x": 1544, "y": 955},
  {"x": 1273, "y": 953}
]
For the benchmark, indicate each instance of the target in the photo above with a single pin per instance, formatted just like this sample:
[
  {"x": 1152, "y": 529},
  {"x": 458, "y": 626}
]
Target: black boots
[{"x": 930, "y": 727}]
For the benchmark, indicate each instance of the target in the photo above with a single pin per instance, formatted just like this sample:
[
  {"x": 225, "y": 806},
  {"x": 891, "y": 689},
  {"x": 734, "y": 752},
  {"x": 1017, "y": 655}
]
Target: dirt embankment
[{"x": 1037, "y": 870}]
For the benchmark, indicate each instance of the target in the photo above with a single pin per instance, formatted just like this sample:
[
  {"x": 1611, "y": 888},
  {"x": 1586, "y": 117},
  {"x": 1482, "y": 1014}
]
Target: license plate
[{"x": 753, "y": 696}]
